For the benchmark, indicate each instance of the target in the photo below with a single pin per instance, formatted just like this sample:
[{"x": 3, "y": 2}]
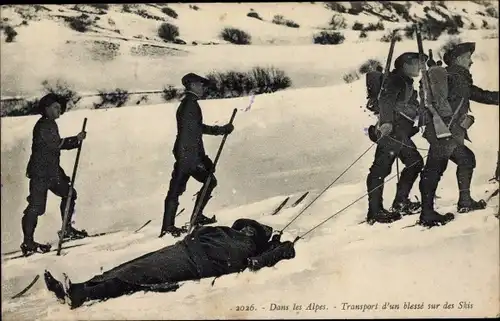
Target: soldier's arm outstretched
[
  {"x": 483, "y": 96},
  {"x": 217, "y": 130}
]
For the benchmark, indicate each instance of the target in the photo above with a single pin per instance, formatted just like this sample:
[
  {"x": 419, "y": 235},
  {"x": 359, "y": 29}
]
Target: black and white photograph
[{"x": 250, "y": 160}]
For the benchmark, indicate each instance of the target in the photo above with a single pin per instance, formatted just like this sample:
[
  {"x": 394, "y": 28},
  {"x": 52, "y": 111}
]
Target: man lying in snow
[{"x": 209, "y": 251}]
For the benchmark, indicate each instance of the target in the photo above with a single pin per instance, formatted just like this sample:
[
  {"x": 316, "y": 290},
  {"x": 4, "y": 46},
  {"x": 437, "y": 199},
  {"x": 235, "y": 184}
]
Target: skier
[
  {"x": 209, "y": 251},
  {"x": 45, "y": 173},
  {"x": 398, "y": 106},
  {"x": 454, "y": 112},
  {"x": 189, "y": 153}
]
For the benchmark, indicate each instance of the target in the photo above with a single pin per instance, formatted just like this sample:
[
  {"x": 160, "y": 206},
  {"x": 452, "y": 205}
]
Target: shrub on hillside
[
  {"x": 492, "y": 12},
  {"x": 194, "y": 7},
  {"x": 280, "y": 20},
  {"x": 363, "y": 34},
  {"x": 253, "y": 14},
  {"x": 400, "y": 9},
  {"x": 235, "y": 83},
  {"x": 101, "y": 6},
  {"x": 170, "y": 93},
  {"x": 335, "y": 6},
  {"x": 374, "y": 27},
  {"x": 116, "y": 98},
  {"x": 10, "y": 33},
  {"x": 328, "y": 38},
  {"x": 170, "y": 12},
  {"x": 432, "y": 28},
  {"x": 81, "y": 23},
  {"x": 388, "y": 36},
  {"x": 338, "y": 22},
  {"x": 62, "y": 88},
  {"x": 236, "y": 36},
  {"x": 22, "y": 107},
  {"x": 369, "y": 65},
  {"x": 168, "y": 31},
  {"x": 357, "y": 26}
]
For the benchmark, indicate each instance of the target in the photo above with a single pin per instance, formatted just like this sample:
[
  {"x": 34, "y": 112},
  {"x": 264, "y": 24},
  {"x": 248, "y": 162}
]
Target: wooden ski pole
[
  {"x": 70, "y": 194},
  {"x": 207, "y": 182}
]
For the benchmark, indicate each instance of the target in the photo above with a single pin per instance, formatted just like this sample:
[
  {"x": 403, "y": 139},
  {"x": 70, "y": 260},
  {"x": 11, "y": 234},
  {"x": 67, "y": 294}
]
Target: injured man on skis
[{"x": 209, "y": 251}]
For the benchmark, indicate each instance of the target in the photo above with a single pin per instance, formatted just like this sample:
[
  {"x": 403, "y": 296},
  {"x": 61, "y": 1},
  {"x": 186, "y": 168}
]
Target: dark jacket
[
  {"x": 398, "y": 102},
  {"x": 46, "y": 149},
  {"x": 460, "y": 91},
  {"x": 209, "y": 251},
  {"x": 188, "y": 147}
]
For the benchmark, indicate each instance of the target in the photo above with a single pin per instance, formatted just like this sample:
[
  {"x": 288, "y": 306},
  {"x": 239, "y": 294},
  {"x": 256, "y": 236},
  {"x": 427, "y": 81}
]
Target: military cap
[
  {"x": 192, "y": 77},
  {"x": 407, "y": 57},
  {"x": 458, "y": 50},
  {"x": 49, "y": 99},
  {"x": 264, "y": 232}
]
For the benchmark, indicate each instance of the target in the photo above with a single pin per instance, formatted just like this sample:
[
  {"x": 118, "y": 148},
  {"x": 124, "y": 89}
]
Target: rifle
[{"x": 440, "y": 127}]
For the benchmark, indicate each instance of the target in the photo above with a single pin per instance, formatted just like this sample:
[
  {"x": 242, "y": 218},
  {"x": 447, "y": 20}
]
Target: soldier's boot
[
  {"x": 376, "y": 211},
  {"x": 382, "y": 215},
  {"x": 168, "y": 225},
  {"x": 201, "y": 219},
  {"x": 406, "y": 207},
  {"x": 429, "y": 217},
  {"x": 29, "y": 246},
  {"x": 469, "y": 205},
  {"x": 465, "y": 202},
  {"x": 71, "y": 233},
  {"x": 55, "y": 286}
]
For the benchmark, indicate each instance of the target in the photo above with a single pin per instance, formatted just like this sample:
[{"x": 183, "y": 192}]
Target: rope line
[{"x": 340, "y": 211}]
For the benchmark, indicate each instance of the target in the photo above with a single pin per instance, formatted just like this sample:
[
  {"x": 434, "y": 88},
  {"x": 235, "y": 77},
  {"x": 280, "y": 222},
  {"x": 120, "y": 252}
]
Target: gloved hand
[
  {"x": 228, "y": 128},
  {"x": 287, "y": 250},
  {"x": 385, "y": 129}
]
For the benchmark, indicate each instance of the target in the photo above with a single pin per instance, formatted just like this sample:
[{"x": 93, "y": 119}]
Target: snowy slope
[{"x": 279, "y": 147}]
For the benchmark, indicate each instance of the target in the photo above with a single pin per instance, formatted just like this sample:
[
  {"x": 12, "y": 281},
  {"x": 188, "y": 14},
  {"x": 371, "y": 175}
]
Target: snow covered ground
[{"x": 289, "y": 142}]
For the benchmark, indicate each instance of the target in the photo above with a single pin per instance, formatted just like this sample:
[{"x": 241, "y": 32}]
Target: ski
[
  {"x": 26, "y": 289},
  {"x": 300, "y": 199},
  {"x": 20, "y": 256},
  {"x": 144, "y": 225},
  {"x": 280, "y": 206}
]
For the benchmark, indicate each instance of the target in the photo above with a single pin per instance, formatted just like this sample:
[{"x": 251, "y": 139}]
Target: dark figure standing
[
  {"x": 398, "y": 110},
  {"x": 190, "y": 157},
  {"x": 209, "y": 251},
  {"x": 45, "y": 173},
  {"x": 454, "y": 112}
]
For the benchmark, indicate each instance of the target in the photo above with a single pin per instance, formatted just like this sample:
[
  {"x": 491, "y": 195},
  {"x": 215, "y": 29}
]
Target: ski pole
[
  {"x": 70, "y": 194},
  {"x": 207, "y": 182}
]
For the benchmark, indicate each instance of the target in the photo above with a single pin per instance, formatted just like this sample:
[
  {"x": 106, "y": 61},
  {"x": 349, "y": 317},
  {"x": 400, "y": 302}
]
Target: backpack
[{"x": 373, "y": 86}]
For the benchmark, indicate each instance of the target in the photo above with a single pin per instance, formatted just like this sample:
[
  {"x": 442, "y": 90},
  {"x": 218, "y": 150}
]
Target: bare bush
[
  {"x": 81, "y": 23},
  {"x": 10, "y": 33},
  {"x": 168, "y": 31},
  {"x": 170, "y": 12},
  {"x": 170, "y": 93},
  {"x": 335, "y": 6},
  {"x": 328, "y": 38},
  {"x": 63, "y": 89},
  {"x": 253, "y": 14},
  {"x": 235, "y": 83},
  {"x": 116, "y": 98},
  {"x": 236, "y": 36},
  {"x": 280, "y": 20}
]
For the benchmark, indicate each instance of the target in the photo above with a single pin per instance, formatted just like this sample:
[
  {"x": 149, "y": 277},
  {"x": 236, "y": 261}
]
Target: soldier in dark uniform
[
  {"x": 398, "y": 106},
  {"x": 210, "y": 251},
  {"x": 454, "y": 113},
  {"x": 190, "y": 157},
  {"x": 45, "y": 173}
]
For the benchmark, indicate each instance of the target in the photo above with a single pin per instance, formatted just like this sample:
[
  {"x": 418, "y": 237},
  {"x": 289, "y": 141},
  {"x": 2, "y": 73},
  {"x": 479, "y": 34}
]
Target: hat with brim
[
  {"x": 263, "y": 232},
  {"x": 49, "y": 99},
  {"x": 458, "y": 50},
  {"x": 192, "y": 78},
  {"x": 407, "y": 57}
]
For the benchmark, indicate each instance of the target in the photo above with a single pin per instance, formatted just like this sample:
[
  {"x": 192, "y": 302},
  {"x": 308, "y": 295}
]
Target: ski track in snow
[{"x": 279, "y": 148}]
